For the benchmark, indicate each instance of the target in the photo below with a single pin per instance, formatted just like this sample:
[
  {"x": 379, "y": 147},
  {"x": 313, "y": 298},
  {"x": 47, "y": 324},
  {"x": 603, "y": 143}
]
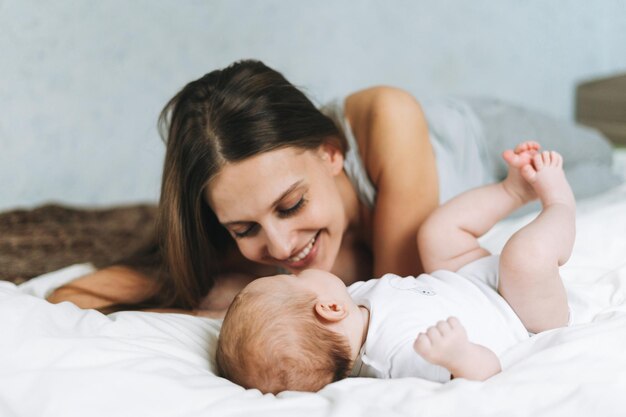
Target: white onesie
[{"x": 400, "y": 308}]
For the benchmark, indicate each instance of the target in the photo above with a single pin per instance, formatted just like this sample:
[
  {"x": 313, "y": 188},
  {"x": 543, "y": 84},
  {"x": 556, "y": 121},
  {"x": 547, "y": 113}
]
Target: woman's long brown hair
[{"x": 226, "y": 116}]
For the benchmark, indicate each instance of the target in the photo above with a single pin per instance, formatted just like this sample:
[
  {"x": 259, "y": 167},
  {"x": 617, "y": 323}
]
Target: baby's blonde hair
[{"x": 274, "y": 341}]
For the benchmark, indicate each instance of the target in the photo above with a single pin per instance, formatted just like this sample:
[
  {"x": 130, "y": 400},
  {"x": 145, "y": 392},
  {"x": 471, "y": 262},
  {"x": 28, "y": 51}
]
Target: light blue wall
[{"x": 82, "y": 82}]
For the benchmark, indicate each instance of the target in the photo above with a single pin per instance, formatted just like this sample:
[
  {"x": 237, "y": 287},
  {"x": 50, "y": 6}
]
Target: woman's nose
[{"x": 279, "y": 243}]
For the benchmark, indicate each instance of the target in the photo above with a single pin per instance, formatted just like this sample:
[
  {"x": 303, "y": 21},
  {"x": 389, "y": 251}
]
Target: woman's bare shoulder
[{"x": 387, "y": 122}]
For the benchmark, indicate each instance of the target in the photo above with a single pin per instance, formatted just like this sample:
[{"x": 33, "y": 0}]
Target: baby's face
[{"x": 324, "y": 284}]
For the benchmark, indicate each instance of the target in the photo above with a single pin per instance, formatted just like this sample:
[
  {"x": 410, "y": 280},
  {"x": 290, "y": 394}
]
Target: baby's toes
[
  {"x": 515, "y": 160},
  {"x": 528, "y": 146},
  {"x": 538, "y": 161},
  {"x": 556, "y": 159},
  {"x": 528, "y": 173},
  {"x": 547, "y": 158},
  {"x": 510, "y": 158}
]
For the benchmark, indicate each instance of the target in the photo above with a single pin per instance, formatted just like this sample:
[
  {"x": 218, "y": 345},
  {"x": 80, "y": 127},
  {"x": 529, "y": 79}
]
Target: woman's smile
[{"x": 306, "y": 256}]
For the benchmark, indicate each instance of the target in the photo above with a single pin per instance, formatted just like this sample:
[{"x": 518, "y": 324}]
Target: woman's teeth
[{"x": 304, "y": 252}]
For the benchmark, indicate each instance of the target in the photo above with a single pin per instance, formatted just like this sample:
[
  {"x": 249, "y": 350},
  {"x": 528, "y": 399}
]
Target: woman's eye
[
  {"x": 293, "y": 209},
  {"x": 244, "y": 233}
]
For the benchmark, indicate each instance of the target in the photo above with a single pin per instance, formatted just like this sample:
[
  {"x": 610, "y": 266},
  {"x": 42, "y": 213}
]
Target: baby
[{"x": 302, "y": 332}]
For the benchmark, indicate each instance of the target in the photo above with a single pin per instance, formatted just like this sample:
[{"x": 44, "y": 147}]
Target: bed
[{"x": 58, "y": 360}]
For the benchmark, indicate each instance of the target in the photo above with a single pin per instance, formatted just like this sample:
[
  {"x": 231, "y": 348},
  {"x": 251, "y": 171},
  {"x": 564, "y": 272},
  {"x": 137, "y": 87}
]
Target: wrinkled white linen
[{"x": 58, "y": 360}]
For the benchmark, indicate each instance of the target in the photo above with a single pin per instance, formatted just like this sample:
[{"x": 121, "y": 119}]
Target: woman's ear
[
  {"x": 333, "y": 156},
  {"x": 331, "y": 311}
]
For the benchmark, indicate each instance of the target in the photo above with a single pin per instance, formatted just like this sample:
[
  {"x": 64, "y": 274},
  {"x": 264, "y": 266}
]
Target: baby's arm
[
  {"x": 446, "y": 344},
  {"x": 448, "y": 239}
]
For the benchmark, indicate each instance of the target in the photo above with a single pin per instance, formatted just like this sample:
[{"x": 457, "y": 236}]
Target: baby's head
[{"x": 289, "y": 332}]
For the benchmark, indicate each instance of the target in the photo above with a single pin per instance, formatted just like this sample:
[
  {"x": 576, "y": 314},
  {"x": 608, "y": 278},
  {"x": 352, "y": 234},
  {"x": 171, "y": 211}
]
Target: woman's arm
[
  {"x": 126, "y": 286},
  {"x": 106, "y": 287},
  {"x": 395, "y": 145}
]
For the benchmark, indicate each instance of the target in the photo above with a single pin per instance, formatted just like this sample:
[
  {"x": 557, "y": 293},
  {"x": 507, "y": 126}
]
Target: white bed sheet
[{"x": 58, "y": 360}]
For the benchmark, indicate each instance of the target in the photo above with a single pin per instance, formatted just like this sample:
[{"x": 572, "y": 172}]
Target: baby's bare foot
[
  {"x": 516, "y": 159},
  {"x": 545, "y": 175},
  {"x": 443, "y": 344}
]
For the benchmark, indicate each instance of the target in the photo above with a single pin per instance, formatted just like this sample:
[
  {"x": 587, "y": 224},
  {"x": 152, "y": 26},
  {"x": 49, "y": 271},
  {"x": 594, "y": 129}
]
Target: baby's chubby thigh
[{"x": 533, "y": 289}]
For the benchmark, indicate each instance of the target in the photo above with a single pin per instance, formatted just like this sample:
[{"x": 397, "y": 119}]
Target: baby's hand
[
  {"x": 443, "y": 344},
  {"x": 446, "y": 345}
]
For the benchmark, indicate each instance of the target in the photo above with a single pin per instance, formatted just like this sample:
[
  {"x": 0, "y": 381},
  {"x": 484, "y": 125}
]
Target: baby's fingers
[
  {"x": 444, "y": 327},
  {"x": 454, "y": 322},
  {"x": 422, "y": 343}
]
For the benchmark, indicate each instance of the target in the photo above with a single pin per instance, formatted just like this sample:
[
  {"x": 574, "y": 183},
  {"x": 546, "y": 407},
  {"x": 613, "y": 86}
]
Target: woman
[{"x": 256, "y": 179}]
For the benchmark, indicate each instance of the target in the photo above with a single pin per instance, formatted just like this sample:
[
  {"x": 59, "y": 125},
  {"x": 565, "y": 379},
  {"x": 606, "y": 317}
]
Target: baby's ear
[{"x": 331, "y": 311}]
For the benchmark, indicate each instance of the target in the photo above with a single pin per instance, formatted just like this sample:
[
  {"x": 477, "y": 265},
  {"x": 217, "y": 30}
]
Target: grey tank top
[
  {"x": 352, "y": 164},
  {"x": 458, "y": 142}
]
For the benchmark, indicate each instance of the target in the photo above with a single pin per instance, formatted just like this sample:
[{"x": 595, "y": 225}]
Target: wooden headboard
[{"x": 601, "y": 103}]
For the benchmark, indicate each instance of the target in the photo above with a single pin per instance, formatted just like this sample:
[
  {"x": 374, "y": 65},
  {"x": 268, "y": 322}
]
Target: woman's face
[{"x": 283, "y": 207}]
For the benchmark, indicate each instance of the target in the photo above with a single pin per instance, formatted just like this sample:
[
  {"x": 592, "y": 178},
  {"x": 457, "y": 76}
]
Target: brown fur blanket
[{"x": 40, "y": 240}]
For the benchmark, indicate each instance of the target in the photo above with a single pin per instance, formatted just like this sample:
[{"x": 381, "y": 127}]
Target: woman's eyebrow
[
  {"x": 286, "y": 192},
  {"x": 274, "y": 204}
]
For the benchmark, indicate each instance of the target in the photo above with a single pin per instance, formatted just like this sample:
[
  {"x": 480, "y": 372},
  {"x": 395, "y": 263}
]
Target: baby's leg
[
  {"x": 448, "y": 239},
  {"x": 446, "y": 344},
  {"x": 530, "y": 260}
]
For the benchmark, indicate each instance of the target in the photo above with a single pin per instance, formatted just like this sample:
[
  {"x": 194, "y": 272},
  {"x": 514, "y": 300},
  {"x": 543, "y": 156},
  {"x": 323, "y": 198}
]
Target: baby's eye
[{"x": 286, "y": 212}]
